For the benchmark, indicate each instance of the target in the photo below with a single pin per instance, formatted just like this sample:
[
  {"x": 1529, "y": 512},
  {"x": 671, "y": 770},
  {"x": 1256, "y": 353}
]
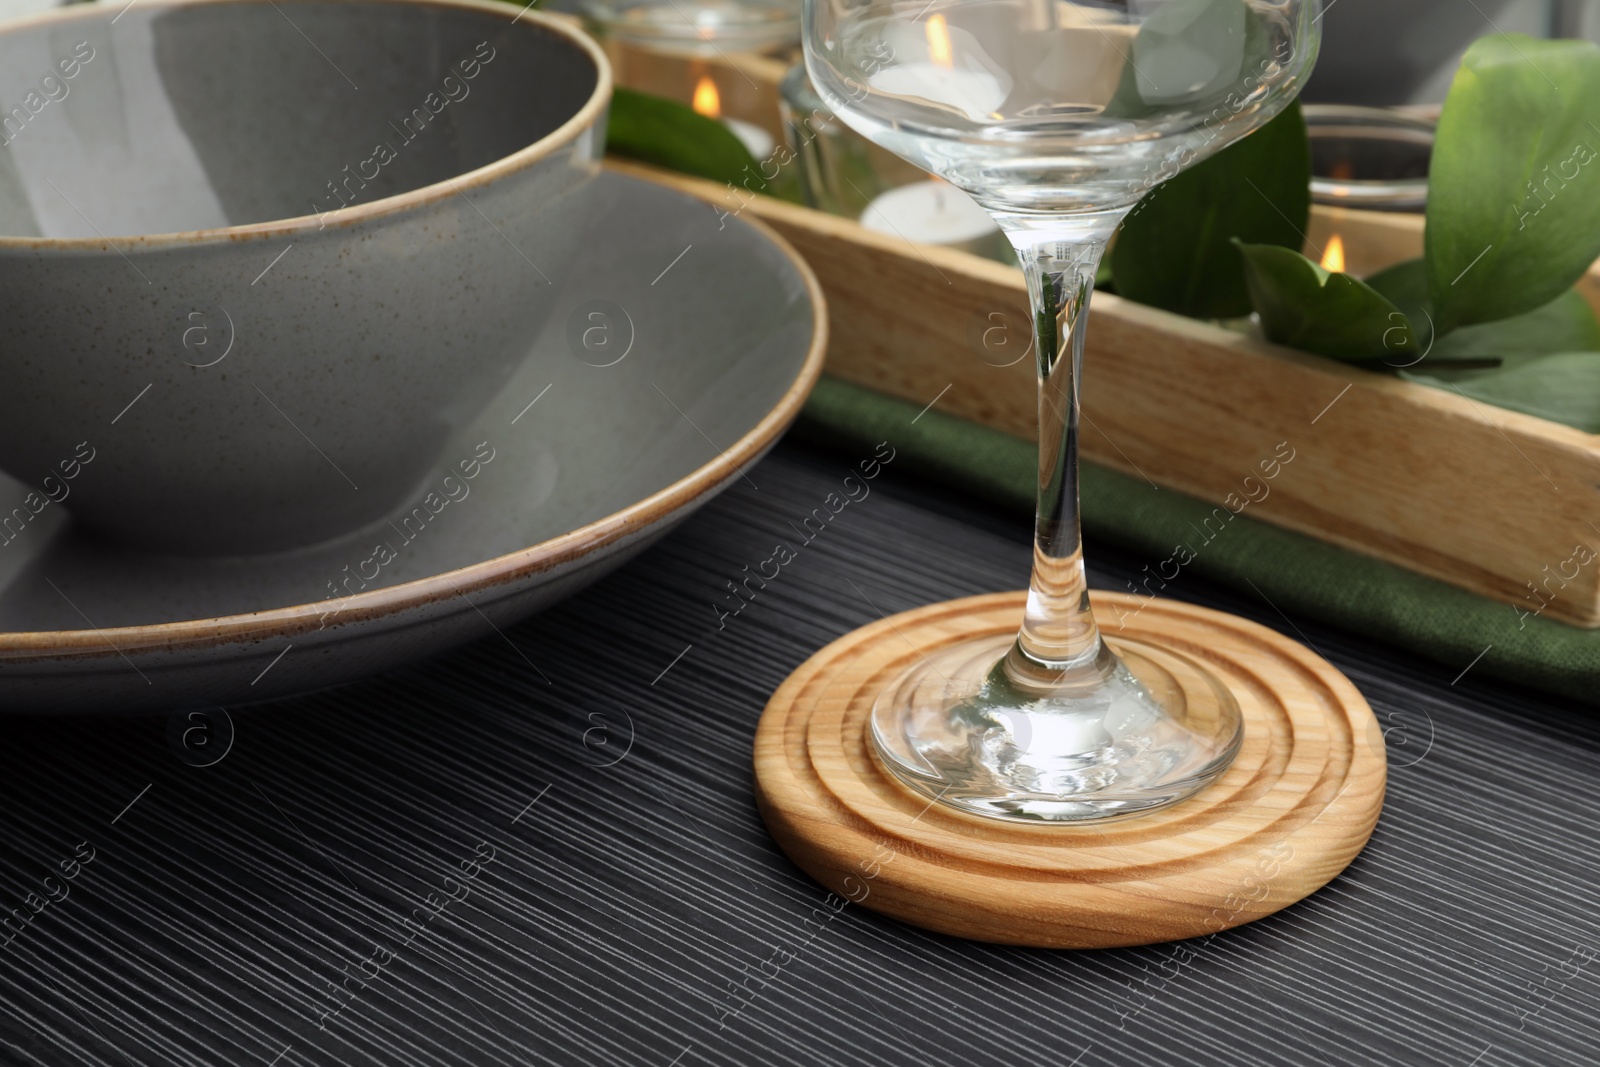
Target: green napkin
[{"x": 1296, "y": 574}]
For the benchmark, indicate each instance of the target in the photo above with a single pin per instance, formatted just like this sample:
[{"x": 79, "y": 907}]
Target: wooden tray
[{"x": 1487, "y": 499}]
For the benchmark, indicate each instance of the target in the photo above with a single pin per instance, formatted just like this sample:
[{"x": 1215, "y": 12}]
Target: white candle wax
[
  {"x": 753, "y": 137},
  {"x": 976, "y": 93},
  {"x": 931, "y": 212}
]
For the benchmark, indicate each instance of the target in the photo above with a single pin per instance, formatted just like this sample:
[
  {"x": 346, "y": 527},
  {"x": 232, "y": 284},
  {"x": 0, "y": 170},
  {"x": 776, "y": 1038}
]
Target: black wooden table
[{"x": 543, "y": 849}]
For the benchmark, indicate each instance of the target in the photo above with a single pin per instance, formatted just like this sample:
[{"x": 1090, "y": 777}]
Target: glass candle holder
[
  {"x": 843, "y": 173},
  {"x": 1371, "y": 158},
  {"x": 698, "y": 27}
]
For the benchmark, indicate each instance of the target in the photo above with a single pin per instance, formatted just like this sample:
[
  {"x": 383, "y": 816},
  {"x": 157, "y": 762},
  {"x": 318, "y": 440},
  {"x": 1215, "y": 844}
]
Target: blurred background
[
  {"x": 1390, "y": 52},
  {"x": 1375, "y": 52}
]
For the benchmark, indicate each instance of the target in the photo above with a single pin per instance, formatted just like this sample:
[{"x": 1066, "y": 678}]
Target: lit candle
[
  {"x": 975, "y": 86},
  {"x": 935, "y": 213},
  {"x": 1333, "y": 257},
  {"x": 708, "y": 102}
]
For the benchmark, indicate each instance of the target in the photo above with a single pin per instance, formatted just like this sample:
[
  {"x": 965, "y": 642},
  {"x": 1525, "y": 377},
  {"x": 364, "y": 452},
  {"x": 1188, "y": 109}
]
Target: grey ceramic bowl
[
  {"x": 683, "y": 345},
  {"x": 260, "y": 260}
]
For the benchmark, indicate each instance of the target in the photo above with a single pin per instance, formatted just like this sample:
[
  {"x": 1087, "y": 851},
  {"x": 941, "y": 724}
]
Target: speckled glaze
[
  {"x": 593, "y": 457},
  {"x": 264, "y": 260}
]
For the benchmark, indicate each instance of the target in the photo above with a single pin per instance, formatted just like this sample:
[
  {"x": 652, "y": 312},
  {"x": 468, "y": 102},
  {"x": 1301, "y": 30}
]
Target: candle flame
[
  {"x": 707, "y": 101},
  {"x": 1333, "y": 258},
  {"x": 939, "y": 50}
]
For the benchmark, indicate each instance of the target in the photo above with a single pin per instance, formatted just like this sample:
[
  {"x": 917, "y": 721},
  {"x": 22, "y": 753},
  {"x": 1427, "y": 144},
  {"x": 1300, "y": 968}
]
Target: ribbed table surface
[{"x": 543, "y": 849}]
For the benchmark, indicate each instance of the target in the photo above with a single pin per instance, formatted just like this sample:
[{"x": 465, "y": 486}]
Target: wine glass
[{"x": 1057, "y": 116}]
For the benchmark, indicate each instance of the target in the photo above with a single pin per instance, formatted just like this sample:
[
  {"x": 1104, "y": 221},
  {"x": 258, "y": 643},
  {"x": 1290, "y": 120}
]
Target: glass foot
[{"x": 1129, "y": 733}]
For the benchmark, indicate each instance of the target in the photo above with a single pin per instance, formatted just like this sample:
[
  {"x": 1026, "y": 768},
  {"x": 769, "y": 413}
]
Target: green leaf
[
  {"x": 1514, "y": 185},
  {"x": 1102, "y": 277},
  {"x": 1188, "y": 51},
  {"x": 1333, "y": 315},
  {"x": 656, "y": 130},
  {"x": 1406, "y": 287},
  {"x": 1175, "y": 250},
  {"x": 1563, "y": 387},
  {"x": 1187, "y": 54},
  {"x": 1566, "y": 324}
]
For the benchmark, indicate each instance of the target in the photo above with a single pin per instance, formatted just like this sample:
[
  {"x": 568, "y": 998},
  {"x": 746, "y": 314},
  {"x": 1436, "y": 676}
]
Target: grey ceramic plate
[{"x": 683, "y": 347}]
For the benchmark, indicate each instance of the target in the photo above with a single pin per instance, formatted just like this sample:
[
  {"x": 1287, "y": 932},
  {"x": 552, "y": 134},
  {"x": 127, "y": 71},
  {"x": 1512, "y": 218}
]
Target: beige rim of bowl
[{"x": 564, "y": 134}]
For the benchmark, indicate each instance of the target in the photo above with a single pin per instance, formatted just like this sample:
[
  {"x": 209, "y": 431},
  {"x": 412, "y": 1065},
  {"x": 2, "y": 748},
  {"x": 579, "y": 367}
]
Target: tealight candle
[
  {"x": 935, "y": 213},
  {"x": 753, "y": 137},
  {"x": 975, "y": 93},
  {"x": 707, "y": 101}
]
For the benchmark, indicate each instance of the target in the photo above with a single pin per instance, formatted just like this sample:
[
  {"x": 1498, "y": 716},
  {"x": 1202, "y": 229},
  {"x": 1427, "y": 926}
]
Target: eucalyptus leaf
[
  {"x": 656, "y": 130},
  {"x": 1334, "y": 315},
  {"x": 1563, "y": 387},
  {"x": 1514, "y": 184},
  {"x": 1176, "y": 251}
]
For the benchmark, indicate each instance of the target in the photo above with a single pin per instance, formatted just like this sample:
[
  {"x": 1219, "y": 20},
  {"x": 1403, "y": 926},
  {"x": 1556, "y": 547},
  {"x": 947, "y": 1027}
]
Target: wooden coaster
[{"x": 1292, "y": 811}]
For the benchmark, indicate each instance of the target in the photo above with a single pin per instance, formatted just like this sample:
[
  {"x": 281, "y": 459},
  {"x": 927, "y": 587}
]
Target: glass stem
[{"x": 1059, "y": 644}]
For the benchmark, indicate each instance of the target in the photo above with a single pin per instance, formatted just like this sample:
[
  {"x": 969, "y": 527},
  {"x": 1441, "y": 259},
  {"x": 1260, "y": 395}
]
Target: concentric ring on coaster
[{"x": 1293, "y": 810}]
